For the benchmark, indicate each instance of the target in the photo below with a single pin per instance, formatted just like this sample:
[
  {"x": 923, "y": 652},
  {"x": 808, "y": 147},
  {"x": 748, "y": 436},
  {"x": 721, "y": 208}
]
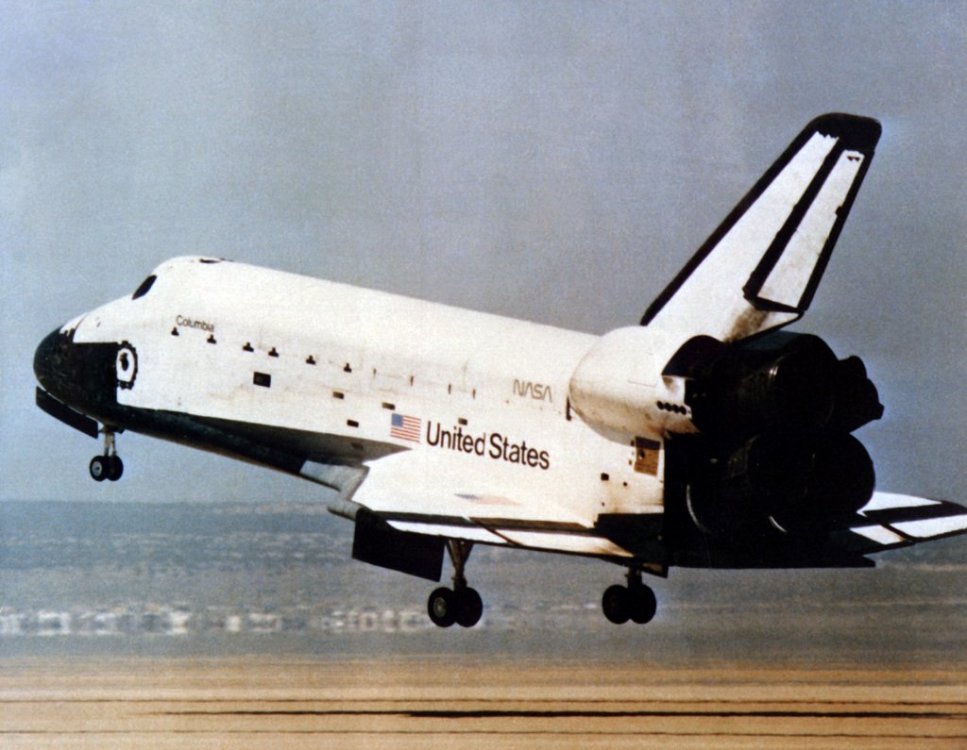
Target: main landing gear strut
[
  {"x": 109, "y": 465},
  {"x": 635, "y": 602},
  {"x": 461, "y": 604}
]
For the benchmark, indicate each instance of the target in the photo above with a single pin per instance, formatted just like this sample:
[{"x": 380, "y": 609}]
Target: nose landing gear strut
[{"x": 109, "y": 465}]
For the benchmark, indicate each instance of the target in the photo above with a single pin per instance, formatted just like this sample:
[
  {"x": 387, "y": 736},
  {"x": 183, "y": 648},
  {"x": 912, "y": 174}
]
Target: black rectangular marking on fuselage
[{"x": 262, "y": 379}]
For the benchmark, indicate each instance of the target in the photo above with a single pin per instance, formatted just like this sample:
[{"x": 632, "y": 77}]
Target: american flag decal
[{"x": 405, "y": 427}]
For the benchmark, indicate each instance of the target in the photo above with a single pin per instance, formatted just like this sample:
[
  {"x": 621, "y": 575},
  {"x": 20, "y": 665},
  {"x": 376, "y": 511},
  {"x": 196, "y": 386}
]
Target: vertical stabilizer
[{"x": 759, "y": 270}]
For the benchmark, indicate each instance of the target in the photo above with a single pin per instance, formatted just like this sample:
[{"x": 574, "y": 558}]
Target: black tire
[
  {"x": 115, "y": 468},
  {"x": 469, "y": 608},
  {"x": 616, "y": 604},
  {"x": 441, "y": 607},
  {"x": 98, "y": 468},
  {"x": 643, "y": 603}
]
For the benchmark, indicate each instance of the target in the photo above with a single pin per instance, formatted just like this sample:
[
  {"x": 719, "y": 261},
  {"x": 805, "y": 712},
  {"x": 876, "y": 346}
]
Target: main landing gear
[
  {"x": 635, "y": 602},
  {"x": 108, "y": 466},
  {"x": 461, "y": 604}
]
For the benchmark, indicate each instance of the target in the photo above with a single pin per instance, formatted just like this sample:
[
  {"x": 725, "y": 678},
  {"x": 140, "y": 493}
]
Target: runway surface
[{"x": 435, "y": 702}]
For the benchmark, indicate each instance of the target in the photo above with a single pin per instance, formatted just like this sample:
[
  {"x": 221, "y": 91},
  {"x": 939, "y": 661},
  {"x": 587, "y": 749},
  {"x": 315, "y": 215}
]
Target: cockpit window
[{"x": 145, "y": 287}]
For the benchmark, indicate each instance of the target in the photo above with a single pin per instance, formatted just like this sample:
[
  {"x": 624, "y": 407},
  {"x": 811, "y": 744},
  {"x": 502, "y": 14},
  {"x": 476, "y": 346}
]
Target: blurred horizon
[{"x": 228, "y": 579}]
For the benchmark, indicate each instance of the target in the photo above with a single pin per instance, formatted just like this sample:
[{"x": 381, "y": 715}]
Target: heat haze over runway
[{"x": 436, "y": 702}]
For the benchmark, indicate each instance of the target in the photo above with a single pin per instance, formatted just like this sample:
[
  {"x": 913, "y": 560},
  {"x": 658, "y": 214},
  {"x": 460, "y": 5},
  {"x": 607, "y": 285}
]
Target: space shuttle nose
[
  {"x": 81, "y": 375},
  {"x": 63, "y": 370},
  {"x": 49, "y": 359}
]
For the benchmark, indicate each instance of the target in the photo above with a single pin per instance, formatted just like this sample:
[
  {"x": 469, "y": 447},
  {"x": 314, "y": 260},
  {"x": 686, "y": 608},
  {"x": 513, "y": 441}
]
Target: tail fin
[{"x": 760, "y": 268}]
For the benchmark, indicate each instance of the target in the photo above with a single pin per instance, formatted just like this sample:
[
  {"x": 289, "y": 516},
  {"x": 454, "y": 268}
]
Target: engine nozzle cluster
[{"x": 774, "y": 449}]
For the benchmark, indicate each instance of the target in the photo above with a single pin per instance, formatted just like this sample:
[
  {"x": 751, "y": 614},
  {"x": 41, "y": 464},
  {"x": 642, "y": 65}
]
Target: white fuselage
[{"x": 488, "y": 397}]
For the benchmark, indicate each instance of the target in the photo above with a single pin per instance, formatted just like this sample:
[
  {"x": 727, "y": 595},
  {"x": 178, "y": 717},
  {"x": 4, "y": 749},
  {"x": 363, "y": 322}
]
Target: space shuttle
[{"x": 705, "y": 436}]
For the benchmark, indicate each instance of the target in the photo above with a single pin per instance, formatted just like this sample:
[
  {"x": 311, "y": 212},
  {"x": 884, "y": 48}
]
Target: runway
[{"x": 434, "y": 702}]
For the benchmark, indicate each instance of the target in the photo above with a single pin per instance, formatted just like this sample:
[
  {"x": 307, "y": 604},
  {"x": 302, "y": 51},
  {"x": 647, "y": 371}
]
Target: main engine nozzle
[
  {"x": 788, "y": 381},
  {"x": 799, "y": 487}
]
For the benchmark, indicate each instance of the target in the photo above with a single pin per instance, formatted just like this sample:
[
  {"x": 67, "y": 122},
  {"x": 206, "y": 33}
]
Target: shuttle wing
[
  {"x": 889, "y": 521},
  {"x": 443, "y": 509}
]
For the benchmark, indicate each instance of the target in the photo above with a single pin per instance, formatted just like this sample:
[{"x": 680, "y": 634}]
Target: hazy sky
[{"x": 552, "y": 161}]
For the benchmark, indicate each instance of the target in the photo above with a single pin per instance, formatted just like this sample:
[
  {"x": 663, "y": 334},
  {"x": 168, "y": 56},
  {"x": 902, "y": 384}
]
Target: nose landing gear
[
  {"x": 635, "y": 602},
  {"x": 109, "y": 465},
  {"x": 461, "y": 604}
]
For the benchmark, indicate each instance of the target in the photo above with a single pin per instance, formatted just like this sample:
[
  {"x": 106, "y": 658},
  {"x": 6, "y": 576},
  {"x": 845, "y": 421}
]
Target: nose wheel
[
  {"x": 461, "y": 604},
  {"x": 109, "y": 465},
  {"x": 635, "y": 602}
]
